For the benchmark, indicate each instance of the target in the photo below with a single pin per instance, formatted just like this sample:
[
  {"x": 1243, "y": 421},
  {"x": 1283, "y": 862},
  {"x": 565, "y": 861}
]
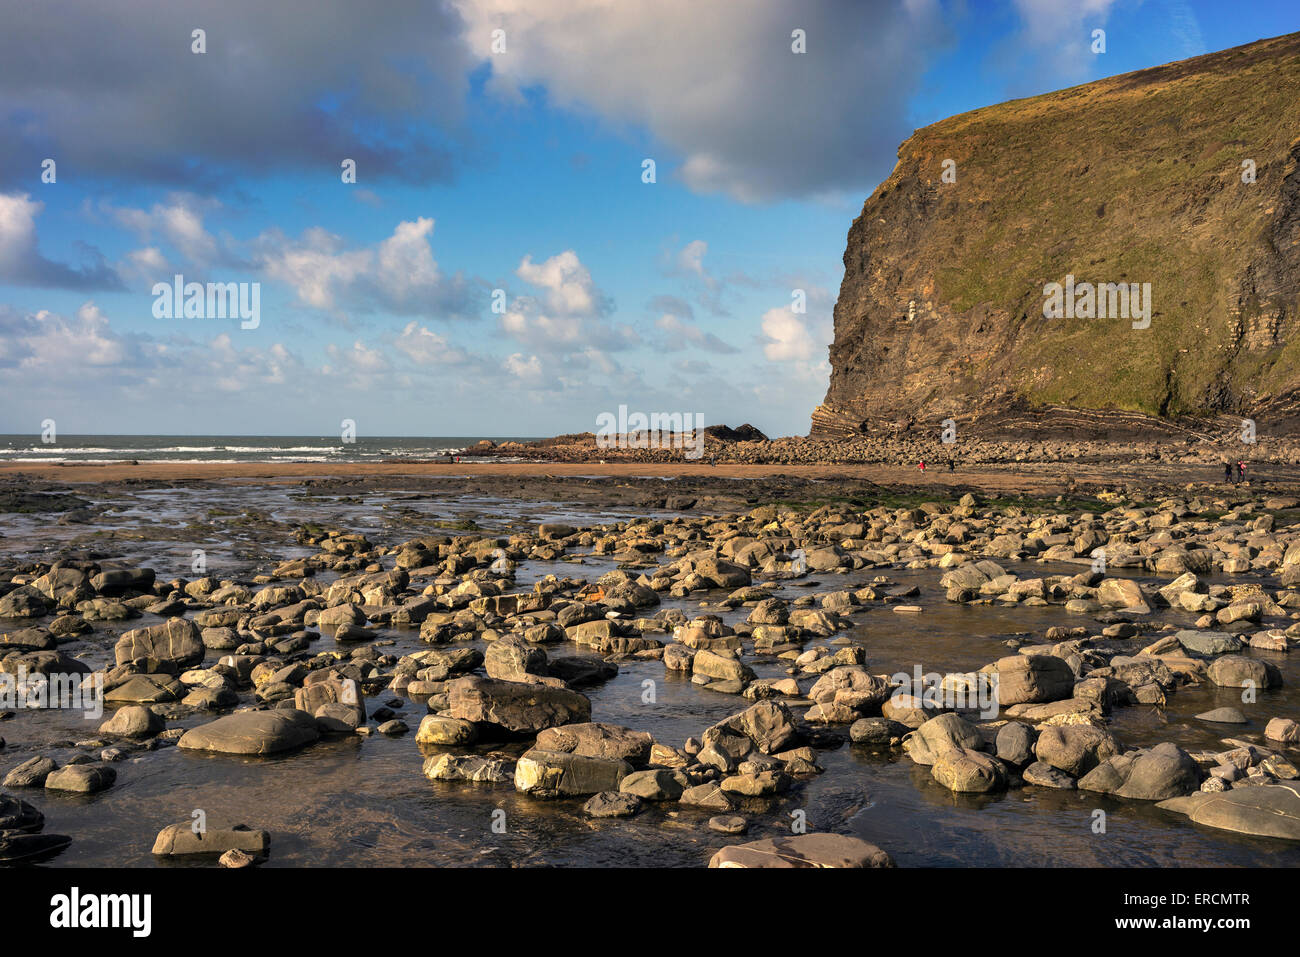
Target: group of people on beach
[{"x": 1239, "y": 475}]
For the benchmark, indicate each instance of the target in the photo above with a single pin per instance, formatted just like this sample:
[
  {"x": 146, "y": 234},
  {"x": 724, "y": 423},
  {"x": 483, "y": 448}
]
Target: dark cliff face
[{"x": 1130, "y": 181}]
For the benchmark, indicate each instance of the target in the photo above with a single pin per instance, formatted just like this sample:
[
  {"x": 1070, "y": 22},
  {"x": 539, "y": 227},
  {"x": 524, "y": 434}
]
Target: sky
[{"x": 558, "y": 209}]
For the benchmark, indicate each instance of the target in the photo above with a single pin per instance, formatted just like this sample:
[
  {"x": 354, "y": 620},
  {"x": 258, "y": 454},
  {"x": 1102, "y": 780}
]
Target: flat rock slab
[
  {"x": 803, "y": 850},
  {"x": 253, "y": 732},
  {"x": 16, "y": 847},
  {"x": 178, "y": 840},
  {"x": 1271, "y": 810}
]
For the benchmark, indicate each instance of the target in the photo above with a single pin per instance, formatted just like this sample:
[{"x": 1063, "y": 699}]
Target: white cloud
[
  {"x": 788, "y": 338},
  {"x": 567, "y": 282},
  {"x": 427, "y": 347},
  {"x": 719, "y": 84},
  {"x": 398, "y": 275},
  {"x": 528, "y": 368}
]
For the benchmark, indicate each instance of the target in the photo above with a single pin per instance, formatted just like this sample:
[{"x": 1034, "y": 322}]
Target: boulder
[
  {"x": 1154, "y": 774},
  {"x": 1271, "y": 810},
  {"x": 180, "y": 840},
  {"x": 1032, "y": 679},
  {"x": 1208, "y": 643},
  {"x": 944, "y": 732},
  {"x": 968, "y": 772},
  {"x": 559, "y": 774},
  {"x": 440, "y": 730},
  {"x": 514, "y": 707},
  {"x": 598, "y": 740},
  {"x": 803, "y": 850},
  {"x": 1238, "y": 671},
  {"x": 176, "y": 642},
  {"x": 474, "y": 768},
  {"x": 1075, "y": 749},
  {"x": 253, "y": 732},
  {"x": 133, "y": 721},
  {"x": 82, "y": 778}
]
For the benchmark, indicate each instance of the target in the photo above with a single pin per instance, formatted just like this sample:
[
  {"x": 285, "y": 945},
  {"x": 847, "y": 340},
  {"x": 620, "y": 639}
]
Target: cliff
[{"x": 1134, "y": 179}]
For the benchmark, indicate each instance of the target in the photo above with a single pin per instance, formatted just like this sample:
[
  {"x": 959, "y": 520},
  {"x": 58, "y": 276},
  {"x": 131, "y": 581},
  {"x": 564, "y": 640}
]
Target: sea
[{"x": 239, "y": 448}]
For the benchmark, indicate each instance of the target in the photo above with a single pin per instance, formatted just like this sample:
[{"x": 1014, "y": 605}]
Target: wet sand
[{"x": 1039, "y": 478}]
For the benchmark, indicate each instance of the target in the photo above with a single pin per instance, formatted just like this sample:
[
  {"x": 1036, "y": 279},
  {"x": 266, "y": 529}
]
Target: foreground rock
[
  {"x": 1271, "y": 810},
  {"x": 804, "y": 850},
  {"x": 514, "y": 707},
  {"x": 559, "y": 774},
  {"x": 179, "y": 840},
  {"x": 253, "y": 732}
]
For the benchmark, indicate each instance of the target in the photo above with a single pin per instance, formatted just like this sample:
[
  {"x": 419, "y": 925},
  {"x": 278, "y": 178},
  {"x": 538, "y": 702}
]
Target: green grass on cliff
[{"x": 1131, "y": 179}]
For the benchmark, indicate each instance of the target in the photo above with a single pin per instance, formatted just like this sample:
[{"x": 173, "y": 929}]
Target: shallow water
[{"x": 363, "y": 801}]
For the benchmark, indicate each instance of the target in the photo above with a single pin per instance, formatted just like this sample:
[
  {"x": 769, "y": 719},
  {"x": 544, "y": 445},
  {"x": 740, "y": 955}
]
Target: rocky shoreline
[{"x": 277, "y": 662}]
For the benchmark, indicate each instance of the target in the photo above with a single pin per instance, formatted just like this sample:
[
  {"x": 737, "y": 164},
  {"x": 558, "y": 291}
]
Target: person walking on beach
[
  {"x": 1241, "y": 471},
  {"x": 950, "y": 465},
  {"x": 921, "y": 465},
  {"x": 1227, "y": 471}
]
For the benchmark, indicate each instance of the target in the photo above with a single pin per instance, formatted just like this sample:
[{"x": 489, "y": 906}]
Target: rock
[
  {"x": 82, "y": 778},
  {"x": 707, "y": 795},
  {"x": 559, "y": 774},
  {"x": 119, "y": 580},
  {"x": 1271, "y": 810},
  {"x": 756, "y": 783},
  {"x": 18, "y": 815},
  {"x": 253, "y": 732},
  {"x": 721, "y": 668},
  {"x": 436, "y": 729},
  {"x": 30, "y": 774},
  {"x": 146, "y": 689},
  {"x": 343, "y": 693},
  {"x": 945, "y": 732},
  {"x": 1238, "y": 671},
  {"x": 1209, "y": 642},
  {"x": 1123, "y": 593},
  {"x": 877, "y": 732},
  {"x": 1278, "y": 729},
  {"x": 1015, "y": 743},
  {"x": 1075, "y": 749},
  {"x": 474, "y": 768},
  {"x": 968, "y": 772},
  {"x": 598, "y": 740},
  {"x": 803, "y": 850},
  {"x": 337, "y": 718},
  {"x": 18, "y": 847},
  {"x": 1155, "y": 774},
  {"x": 133, "y": 721},
  {"x": 235, "y": 859},
  {"x": 611, "y": 804},
  {"x": 1045, "y": 776},
  {"x": 1033, "y": 679},
  {"x": 512, "y": 658},
  {"x": 175, "y": 642},
  {"x": 1223, "y": 716},
  {"x": 180, "y": 840},
  {"x": 728, "y": 824},
  {"x": 514, "y": 707}
]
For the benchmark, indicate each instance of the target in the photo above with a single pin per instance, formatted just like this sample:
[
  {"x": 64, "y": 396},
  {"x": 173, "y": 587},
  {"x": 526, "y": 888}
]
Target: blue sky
[{"x": 478, "y": 170}]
